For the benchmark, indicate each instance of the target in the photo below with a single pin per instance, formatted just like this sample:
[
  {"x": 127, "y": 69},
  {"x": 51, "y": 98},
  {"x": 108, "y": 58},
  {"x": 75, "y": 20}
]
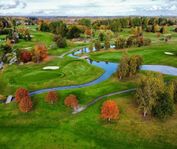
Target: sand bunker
[
  {"x": 168, "y": 53},
  {"x": 51, "y": 68}
]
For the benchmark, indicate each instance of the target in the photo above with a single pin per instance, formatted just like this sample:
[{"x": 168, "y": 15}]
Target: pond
[{"x": 109, "y": 69}]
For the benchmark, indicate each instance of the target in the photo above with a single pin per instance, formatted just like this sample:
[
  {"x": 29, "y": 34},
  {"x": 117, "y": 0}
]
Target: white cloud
[{"x": 88, "y": 7}]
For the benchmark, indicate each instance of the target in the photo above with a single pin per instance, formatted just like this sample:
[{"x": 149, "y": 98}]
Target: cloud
[
  {"x": 88, "y": 7},
  {"x": 12, "y": 5}
]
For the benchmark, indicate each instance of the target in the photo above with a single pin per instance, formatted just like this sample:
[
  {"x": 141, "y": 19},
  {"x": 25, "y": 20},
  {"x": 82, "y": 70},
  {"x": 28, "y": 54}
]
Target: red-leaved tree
[
  {"x": 71, "y": 101},
  {"x": 51, "y": 97},
  {"x": 21, "y": 93},
  {"x": 25, "y": 104},
  {"x": 109, "y": 110},
  {"x": 25, "y": 56}
]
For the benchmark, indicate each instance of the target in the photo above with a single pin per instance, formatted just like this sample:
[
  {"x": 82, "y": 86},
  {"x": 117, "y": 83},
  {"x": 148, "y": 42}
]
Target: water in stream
[{"x": 109, "y": 69}]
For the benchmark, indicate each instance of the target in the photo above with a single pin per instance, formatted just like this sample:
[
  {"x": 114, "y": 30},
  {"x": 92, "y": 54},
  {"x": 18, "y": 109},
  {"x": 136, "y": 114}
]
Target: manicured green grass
[
  {"x": 33, "y": 77},
  {"x": 53, "y": 126},
  {"x": 153, "y": 54}
]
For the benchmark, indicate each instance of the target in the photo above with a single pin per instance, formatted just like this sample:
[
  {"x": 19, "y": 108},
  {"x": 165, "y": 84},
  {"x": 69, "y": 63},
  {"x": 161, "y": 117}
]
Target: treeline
[
  {"x": 62, "y": 32},
  {"x": 147, "y": 23},
  {"x": 121, "y": 43},
  {"x": 60, "y": 28}
]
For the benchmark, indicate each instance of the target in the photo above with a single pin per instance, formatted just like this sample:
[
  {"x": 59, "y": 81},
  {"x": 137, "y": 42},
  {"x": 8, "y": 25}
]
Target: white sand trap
[
  {"x": 168, "y": 53},
  {"x": 51, "y": 68}
]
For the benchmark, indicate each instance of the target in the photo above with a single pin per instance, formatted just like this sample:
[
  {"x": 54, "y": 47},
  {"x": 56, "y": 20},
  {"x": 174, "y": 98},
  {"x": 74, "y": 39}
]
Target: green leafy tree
[
  {"x": 58, "y": 27},
  {"x": 91, "y": 47},
  {"x": 74, "y": 32},
  {"x": 101, "y": 36},
  {"x": 60, "y": 41},
  {"x": 163, "y": 30},
  {"x": 129, "y": 66},
  {"x": 97, "y": 45},
  {"x": 123, "y": 67},
  {"x": 148, "y": 91},
  {"x": 86, "y": 22},
  {"x": 107, "y": 44},
  {"x": 120, "y": 43},
  {"x": 164, "y": 106}
]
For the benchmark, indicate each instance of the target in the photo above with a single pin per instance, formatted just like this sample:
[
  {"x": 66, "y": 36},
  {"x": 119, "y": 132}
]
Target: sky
[{"x": 88, "y": 7}]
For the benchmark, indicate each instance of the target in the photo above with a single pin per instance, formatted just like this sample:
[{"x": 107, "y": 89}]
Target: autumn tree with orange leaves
[
  {"x": 21, "y": 93},
  {"x": 23, "y": 99},
  {"x": 40, "y": 52},
  {"x": 52, "y": 97},
  {"x": 71, "y": 101},
  {"x": 109, "y": 110},
  {"x": 25, "y": 104}
]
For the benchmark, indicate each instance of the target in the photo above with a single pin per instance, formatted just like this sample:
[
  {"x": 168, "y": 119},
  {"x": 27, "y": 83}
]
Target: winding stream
[{"x": 109, "y": 69}]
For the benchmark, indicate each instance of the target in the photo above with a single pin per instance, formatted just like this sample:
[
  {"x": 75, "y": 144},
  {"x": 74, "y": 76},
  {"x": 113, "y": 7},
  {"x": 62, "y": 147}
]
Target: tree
[
  {"x": 91, "y": 47},
  {"x": 21, "y": 93},
  {"x": 58, "y": 27},
  {"x": 40, "y": 52},
  {"x": 148, "y": 91},
  {"x": 155, "y": 28},
  {"x": 130, "y": 41},
  {"x": 60, "y": 41},
  {"x": 52, "y": 97},
  {"x": 164, "y": 106},
  {"x": 97, "y": 45},
  {"x": 25, "y": 56},
  {"x": 163, "y": 30},
  {"x": 137, "y": 31},
  {"x": 74, "y": 32},
  {"x": 24, "y": 33},
  {"x": 107, "y": 44},
  {"x": 109, "y": 110},
  {"x": 116, "y": 25},
  {"x": 25, "y": 104},
  {"x": 175, "y": 90},
  {"x": 140, "y": 41},
  {"x": 71, "y": 101},
  {"x": 129, "y": 66},
  {"x": 44, "y": 27},
  {"x": 123, "y": 67},
  {"x": 120, "y": 43},
  {"x": 135, "y": 62},
  {"x": 175, "y": 30},
  {"x": 88, "y": 32},
  {"x": 101, "y": 36},
  {"x": 86, "y": 22}
]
